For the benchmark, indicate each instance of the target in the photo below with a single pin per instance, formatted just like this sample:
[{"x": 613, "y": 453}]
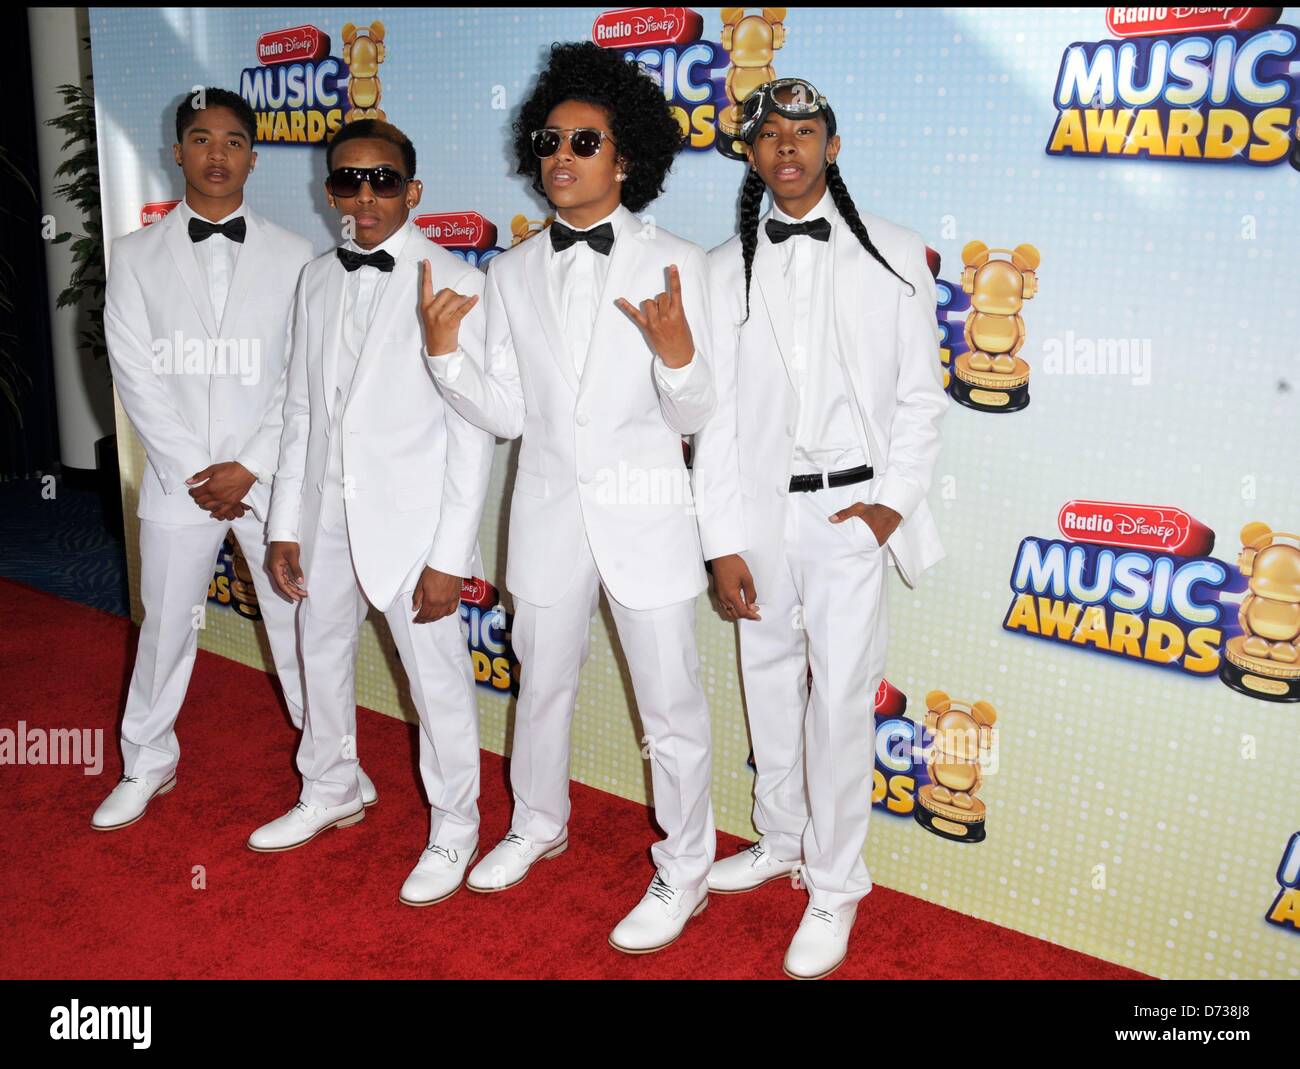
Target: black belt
[{"x": 805, "y": 483}]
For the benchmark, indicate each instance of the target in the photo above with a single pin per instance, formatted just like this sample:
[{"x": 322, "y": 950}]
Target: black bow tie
[
  {"x": 817, "y": 229},
  {"x": 600, "y": 238},
  {"x": 235, "y": 229},
  {"x": 352, "y": 260}
]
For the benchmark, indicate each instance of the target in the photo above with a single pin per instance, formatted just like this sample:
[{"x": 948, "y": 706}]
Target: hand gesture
[
  {"x": 662, "y": 320},
  {"x": 441, "y": 313}
]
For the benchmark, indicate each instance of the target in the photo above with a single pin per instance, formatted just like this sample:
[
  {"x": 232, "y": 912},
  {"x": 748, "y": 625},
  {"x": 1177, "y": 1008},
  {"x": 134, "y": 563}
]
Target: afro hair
[{"x": 644, "y": 131}]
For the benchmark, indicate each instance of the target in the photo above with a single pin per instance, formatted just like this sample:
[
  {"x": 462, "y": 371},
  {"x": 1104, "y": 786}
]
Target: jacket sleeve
[
  {"x": 485, "y": 391},
  {"x": 921, "y": 402},
  {"x": 715, "y": 466},
  {"x": 174, "y": 448},
  {"x": 286, "y": 496},
  {"x": 469, "y": 454},
  {"x": 688, "y": 402}
]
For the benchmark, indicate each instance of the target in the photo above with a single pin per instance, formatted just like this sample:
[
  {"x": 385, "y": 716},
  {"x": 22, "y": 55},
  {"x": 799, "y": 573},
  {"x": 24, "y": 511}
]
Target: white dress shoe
[
  {"x": 127, "y": 801},
  {"x": 507, "y": 863},
  {"x": 821, "y": 943},
  {"x": 658, "y": 919},
  {"x": 437, "y": 875},
  {"x": 751, "y": 868},
  {"x": 303, "y": 823},
  {"x": 369, "y": 796}
]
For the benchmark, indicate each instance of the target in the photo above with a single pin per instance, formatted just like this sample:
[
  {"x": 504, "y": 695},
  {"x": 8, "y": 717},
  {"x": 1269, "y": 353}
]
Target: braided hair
[{"x": 751, "y": 200}]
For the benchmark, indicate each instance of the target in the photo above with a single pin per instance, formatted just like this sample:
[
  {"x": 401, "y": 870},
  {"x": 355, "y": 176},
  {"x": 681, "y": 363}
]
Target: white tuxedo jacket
[
  {"x": 889, "y": 340},
  {"x": 415, "y": 473},
  {"x": 601, "y": 456},
  {"x": 197, "y": 391}
]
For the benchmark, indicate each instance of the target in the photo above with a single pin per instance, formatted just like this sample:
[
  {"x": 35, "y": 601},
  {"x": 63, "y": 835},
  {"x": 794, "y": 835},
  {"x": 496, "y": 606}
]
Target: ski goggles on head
[
  {"x": 384, "y": 181},
  {"x": 585, "y": 141},
  {"x": 792, "y": 98}
]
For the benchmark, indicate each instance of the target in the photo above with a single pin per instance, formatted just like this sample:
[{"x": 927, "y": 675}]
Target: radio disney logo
[
  {"x": 76, "y": 1021},
  {"x": 639, "y": 26},
  {"x": 155, "y": 211},
  {"x": 1148, "y": 21},
  {"x": 301, "y": 43},
  {"x": 469, "y": 235},
  {"x": 1159, "y": 528}
]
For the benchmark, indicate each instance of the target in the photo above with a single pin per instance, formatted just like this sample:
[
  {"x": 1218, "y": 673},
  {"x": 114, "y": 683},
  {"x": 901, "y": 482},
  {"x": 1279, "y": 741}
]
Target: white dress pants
[
  {"x": 814, "y": 748},
  {"x": 552, "y": 643},
  {"x": 176, "y": 564},
  {"x": 438, "y": 668}
]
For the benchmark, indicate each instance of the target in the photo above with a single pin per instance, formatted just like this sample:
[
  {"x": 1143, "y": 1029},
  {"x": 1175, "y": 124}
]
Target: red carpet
[{"x": 86, "y": 904}]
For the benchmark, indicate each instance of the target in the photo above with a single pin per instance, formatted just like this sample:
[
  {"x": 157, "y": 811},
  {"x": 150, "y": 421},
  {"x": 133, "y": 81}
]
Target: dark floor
[{"x": 55, "y": 540}]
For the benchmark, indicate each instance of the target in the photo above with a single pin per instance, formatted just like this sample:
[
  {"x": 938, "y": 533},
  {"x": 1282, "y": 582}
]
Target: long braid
[
  {"x": 751, "y": 201},
  {"x": 844, "y": 205}
]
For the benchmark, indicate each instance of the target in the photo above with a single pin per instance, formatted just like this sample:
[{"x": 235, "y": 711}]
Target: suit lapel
[
  {"x": 181, "y": 250},
  {"x": 849, "y": 287},
  {"x": 535, "y": 276},
  {"x": 624, "y": 261},
  {"x": 246, "y": 264},
  {"x": 771, "y": 281}
]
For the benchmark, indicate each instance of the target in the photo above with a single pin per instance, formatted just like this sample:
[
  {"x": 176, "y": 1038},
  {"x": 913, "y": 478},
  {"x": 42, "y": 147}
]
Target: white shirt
[
  {"x": 216, "y": 257},
  {"x": 825, "y": 437},
  {"x": 576, "y": 278}
]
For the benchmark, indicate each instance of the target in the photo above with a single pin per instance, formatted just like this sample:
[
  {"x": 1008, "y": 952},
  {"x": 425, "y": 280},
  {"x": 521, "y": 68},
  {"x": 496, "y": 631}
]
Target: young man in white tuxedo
[
  {"x": 377, "y": 501},
  {"x": 194, "y": 316},
  {"x": 810, "y": 479},
  {"x": 596, "y": 355}
]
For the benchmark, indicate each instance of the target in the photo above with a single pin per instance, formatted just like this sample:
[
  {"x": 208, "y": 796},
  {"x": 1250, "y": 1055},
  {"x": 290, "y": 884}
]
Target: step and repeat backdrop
[{"x": 1111, "y": 199}]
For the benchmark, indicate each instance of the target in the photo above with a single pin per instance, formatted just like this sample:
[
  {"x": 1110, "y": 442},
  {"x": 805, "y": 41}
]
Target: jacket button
[
  {"x": 583, "y": 419},
  {"x": 584, "y": 478}
]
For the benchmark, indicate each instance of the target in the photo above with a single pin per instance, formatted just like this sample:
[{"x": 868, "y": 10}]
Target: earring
[{"x": 620, "y": 176}]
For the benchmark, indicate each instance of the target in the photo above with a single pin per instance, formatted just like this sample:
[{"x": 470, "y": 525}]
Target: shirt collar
[
  {"x": 616, "y": 219},
  {"x": 824, "y": 208},
  {"x": 393, "y": 244},
  {"x": 188, "y": 213}
]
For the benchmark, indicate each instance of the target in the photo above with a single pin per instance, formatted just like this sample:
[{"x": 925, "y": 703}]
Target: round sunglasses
[
  {"x": 384, "y": 181},
  {"x": 584, "y": 141}
]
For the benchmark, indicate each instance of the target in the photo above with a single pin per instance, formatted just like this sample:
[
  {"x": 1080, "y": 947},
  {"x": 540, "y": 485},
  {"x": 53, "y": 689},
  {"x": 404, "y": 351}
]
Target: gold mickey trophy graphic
[
  {"x": 963, "y": 735},
  {"x": 243, "y": 594},
  {"x": 1263, "y": 662},
  {"x": 751, "y": 42},
  {"x": 991, "y": 377},
  {"x": 522, "y": 228},
  {"x": 363, "y": 51}
]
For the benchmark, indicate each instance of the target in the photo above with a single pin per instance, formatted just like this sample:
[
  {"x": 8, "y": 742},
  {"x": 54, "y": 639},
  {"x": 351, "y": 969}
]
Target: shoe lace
[
  {"x": 130, "y": 779},
  {"x": 662, "y": 891},
  {"x": 757, "y": 850},
  {"x": 515, "y": 840},
  {"x": 822, "y": 915},
  {"x": 441, "y": 851}
]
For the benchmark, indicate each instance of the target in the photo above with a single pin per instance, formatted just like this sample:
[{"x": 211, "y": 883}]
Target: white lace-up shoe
[
  {"x": 303, "y": 823},
  {"x": 751, "y": 868},
  {"x": 437, "y": 875},
  {"x": 821, "y": 943},
  {"x": 507, "y": 863},
  {"x": 127, "y": 801},
  {"x": 658, "y": 919}
]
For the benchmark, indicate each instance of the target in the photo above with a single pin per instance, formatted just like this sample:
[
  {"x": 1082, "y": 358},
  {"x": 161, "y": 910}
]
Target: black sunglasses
[
  {"x": 384, "y": 181},
  {"x": 585, "y": 141}
]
